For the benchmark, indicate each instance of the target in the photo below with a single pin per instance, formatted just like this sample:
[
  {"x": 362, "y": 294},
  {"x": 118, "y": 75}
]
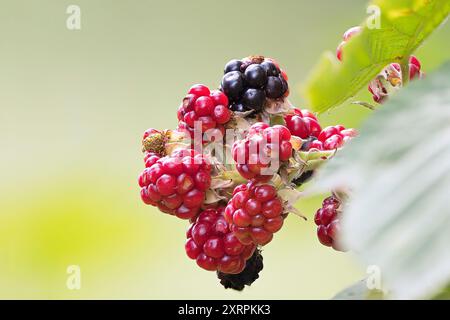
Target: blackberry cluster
[
  {"x": 257, "y": 152},
  {"x": 214, "y": 247},
  {"x": 227, "y": 228},
  {"x": 250, "y": 81},
  {"x": 176, "y": 184},
  {"x": 255, "y": 213},
  {"x": 328, "y": 224},
  {"x": 249, "y": 275}
]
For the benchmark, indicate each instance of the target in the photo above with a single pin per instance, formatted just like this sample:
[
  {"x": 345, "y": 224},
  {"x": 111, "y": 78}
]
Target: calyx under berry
[{"x": 162, "y": 143}]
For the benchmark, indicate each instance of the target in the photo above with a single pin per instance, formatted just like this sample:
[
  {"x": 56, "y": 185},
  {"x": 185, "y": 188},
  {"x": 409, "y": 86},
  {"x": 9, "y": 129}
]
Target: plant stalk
[{"x": 404, "y": 65}]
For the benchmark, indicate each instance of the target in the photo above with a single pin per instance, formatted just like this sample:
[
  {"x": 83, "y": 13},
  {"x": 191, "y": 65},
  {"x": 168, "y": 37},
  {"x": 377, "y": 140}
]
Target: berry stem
[
  {"x": 404, "y": 65},
  {"x": 276, "y": 119},
  {"x": 232, "y": 175},
  {"x": 364, "y": 104},
  {"x": 313, "y": 164},
  {"x": 308, "y": 156}
]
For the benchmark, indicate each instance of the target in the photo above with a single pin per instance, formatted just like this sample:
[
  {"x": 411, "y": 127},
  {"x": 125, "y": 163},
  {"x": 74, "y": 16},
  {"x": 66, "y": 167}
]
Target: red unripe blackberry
[
  {"x": 211, "y": 243},
  {"x": 316, "y": 144},
  {"x": 204, "y": 106},
  {"x": 210, "y": 109},
  {"x": 277, "y": 132},
  {"x": 328, "y": 132},
  {"x": 333, "y": 142},
  {"x": 302, "y": 123},
  {"x": 222, "y": 114},
  {"x": 172, "y": 166},
  {"x": 297, "y": 126},
  {"x": 150, "y": 159},
  {"x": 351, "y": 133},
  {"x": 414, "y": 61},
  {"x": 415, "y": 68},
  {"x": 330, "y": 138},
  {"x": 190, "y": 118},
  {"x": 264, "y": 193},
  {"x": 254, "y": 213},
  {"x": 323, "y": 237},
  {"x": 176, "y": 184},
  {"x": 173, "y": 201},
  {"x": 166, "y": 184},
  {"x": 414, "y": 72},
  {"x": 193, "y": 199},
  {"x": 258, "y": 128},
  {"x": 327, "y": 221},
  {"x": 199, "y": 90},
  {"x": 202, "y": 180},
  {"x": 261, "y": 150},
  {"x": 219, "y": 98},
  {"x": 307, "y": 114}
]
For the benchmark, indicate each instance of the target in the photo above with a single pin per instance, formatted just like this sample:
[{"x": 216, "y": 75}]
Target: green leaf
[
  {"x": 398, "y": 215},
  {"x": 404, "y": 26},
  {"x": 444, "y": 294},
  {"x": 359, "y": 291}
]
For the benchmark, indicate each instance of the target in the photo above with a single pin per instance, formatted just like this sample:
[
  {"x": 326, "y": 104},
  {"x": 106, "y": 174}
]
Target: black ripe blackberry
[
  {"x": 306, "y": 145},
  {"x": 274, "y": 87},
  {"x": 239, "y": 107},
  {"x": 251, "y": 272},
  {"x": 271, "y": 68},
  {"x": 249, "y": 82},
  {"x": 233, "y": 65},
  {"x": 233, "y": 85},
  {"x": 253, "y": 99},
  {"x": 303, "y": 178},
  {"x": 255, "y": 76}
]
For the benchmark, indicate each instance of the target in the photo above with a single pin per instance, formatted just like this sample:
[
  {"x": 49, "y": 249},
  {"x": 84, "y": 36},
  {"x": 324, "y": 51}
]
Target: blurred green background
[{"x": 73, "y": 106}]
